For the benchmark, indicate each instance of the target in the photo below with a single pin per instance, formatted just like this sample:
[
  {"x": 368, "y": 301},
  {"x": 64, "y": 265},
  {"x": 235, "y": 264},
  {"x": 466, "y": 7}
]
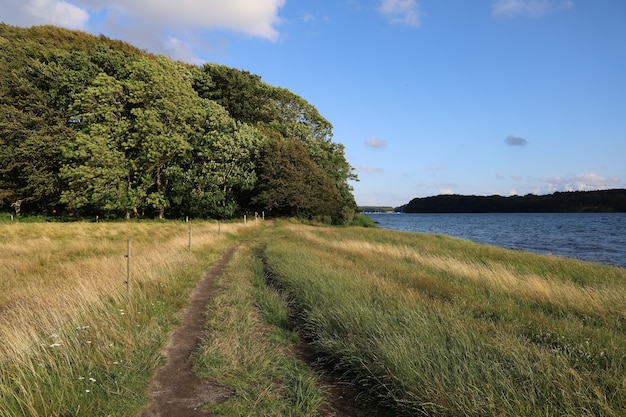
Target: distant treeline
[
  {"x": 559, "y": 202},
  {"x": 375, "y": 209}
]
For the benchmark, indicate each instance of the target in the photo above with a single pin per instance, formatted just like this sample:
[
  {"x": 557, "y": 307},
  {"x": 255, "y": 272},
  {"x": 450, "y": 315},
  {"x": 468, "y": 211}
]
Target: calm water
[{"x": 597, "y": 237}]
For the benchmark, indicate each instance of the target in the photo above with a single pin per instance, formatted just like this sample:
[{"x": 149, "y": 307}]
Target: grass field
[
  {"x": 425, "y": 324},
  {"x": 441, "y": 326},
  {"x": 76, "y": 340}
]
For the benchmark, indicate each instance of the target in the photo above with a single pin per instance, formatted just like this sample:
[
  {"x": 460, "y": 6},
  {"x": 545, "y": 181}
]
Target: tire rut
[{"x": 175, "y": 390}]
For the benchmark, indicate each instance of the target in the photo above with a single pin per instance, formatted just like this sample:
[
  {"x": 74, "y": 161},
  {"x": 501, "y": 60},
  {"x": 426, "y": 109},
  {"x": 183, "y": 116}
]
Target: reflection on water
[{"x": 596, "y": 237}]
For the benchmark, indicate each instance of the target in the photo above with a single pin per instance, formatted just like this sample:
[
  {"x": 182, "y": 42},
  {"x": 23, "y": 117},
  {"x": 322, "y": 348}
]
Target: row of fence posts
[{"x": 219, "y": 231}]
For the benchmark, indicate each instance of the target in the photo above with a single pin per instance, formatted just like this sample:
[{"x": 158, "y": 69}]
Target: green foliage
[
  {"x": 96, "y": 127},
  {"x": 291, "y": 184},
  {"x": 363, "y": 221}
]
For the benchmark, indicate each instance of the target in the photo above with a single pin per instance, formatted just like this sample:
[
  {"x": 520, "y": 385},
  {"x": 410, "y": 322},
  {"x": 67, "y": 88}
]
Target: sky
[{"x": 428, "y": 97}]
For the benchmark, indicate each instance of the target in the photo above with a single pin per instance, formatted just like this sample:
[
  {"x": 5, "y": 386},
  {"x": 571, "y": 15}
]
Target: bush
[{"x": 363, "y": 220}]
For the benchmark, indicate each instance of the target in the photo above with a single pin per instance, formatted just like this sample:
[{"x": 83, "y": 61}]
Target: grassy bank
[
  {"x": 76, "y": 340},
  {"x": 430, "y": 324},
  {"x": 426, "y": 324}
]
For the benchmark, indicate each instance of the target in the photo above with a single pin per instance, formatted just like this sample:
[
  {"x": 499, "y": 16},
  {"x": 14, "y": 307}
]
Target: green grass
[
  {"x": 362, "y": 220},
  {"x": 248, "y": 348},
  {"x": 423, "y": 324},
  {"x": 427, "y": 323}
]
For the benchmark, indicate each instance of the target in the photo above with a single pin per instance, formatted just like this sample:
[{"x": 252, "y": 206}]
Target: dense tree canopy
[
  {"x": 91, "y": 126},
  {"x": 292, "y": 183}
]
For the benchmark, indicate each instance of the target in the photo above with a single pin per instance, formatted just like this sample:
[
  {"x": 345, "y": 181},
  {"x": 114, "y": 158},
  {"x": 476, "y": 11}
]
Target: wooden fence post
[
  {"x": 189, "y": 238},
  {"x": 128, "y": 255}
]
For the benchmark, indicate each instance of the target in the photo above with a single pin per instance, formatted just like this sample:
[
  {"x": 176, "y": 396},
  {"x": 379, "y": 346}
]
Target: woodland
[
  {"x": 91, "y": 126},
  {"x": 559, "y": 202}
]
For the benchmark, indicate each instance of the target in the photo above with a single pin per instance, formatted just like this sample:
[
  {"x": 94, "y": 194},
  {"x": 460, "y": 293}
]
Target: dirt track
[{"x": 175, "y": 390}]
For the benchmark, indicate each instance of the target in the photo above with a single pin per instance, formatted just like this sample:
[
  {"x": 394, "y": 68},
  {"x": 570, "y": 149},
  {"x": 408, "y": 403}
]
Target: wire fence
[{"x": 126, "y": 285}]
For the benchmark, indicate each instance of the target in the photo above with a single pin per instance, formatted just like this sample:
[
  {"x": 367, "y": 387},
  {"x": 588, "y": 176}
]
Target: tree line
[
  {"x": 92, "y": 126},
  {"x": 558, "y": 202}
]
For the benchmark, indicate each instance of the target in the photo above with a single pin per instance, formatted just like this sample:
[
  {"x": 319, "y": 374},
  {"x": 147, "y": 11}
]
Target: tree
[
  {"x": 96, "y": 172},
  {"x": 94, "y": 126},
  {"x": 280, "y": 113},
  {"x": 222, "y": 163},
  {"x": 291, "y": 184},
  {"x": 164, "y": 109},
  {"x": 32, "y": 131}
]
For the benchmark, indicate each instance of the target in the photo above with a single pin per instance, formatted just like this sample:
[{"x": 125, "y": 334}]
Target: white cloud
[
  {"x": 445, "y": 191},
  {"x": 376, "y": 143},
  {"x": 39, "y": 12},
  {"x": 251, "y": 17},
  {"x": 403, "y": 12},
  {"x": 500, "y": 176},
  {"x": 513, "y": 192},
  {"x": 180, "y": 50},
  {"x": 530, "y": 8},
  {"x": 579, "y": 182},
  {"x": 161, "y": 26},
  {"x": 516, "y": 177}
]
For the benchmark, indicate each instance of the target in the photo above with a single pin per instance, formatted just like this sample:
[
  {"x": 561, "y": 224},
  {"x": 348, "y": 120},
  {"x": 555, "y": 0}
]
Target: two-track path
[{"x": 175, "y": 390}]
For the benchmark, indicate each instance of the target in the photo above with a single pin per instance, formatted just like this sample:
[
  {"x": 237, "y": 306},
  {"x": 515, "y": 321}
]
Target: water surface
[{"x": 596, "y": 237}]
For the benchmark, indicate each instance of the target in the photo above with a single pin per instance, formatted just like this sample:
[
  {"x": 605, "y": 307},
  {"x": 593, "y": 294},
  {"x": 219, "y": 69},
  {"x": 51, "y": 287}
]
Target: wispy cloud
[
  {"x": 512, "y": 140},
  {"x": 580, "y": 182},
  {"x": 529, "y": 8},
  {"x": 404, "y": 12},
  {"x": 376, "y": 143},
  {"x": 369, "y": 169},
  {"x": 514, "y": 177}
]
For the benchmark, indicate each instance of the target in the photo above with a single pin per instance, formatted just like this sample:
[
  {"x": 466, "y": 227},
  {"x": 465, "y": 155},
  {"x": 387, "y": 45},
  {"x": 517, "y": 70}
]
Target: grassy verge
[
  {"x": 430, "y": 324},
  {"x": 75, "y": 340},
  {"x": 423, "y": 323},
  {"x": 248, "y": 348}
]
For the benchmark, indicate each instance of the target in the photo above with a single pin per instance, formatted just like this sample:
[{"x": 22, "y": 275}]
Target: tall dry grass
[
  {"x": 51, "y": 271},
  {"x": 598, "y": 300},
  {"x": 67, "y": 314},
  {"x": 446, "y": 327}
]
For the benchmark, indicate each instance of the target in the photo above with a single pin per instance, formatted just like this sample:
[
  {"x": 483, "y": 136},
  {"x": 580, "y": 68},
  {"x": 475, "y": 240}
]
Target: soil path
[{"x": 175, "y": 390}]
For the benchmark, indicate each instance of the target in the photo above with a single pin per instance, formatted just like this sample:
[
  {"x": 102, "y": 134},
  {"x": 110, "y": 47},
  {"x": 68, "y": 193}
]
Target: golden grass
[
  {"x": 51, "y": 272},
  {"x": 435, "y": 324},
  {"x": 595, "y": 301}
]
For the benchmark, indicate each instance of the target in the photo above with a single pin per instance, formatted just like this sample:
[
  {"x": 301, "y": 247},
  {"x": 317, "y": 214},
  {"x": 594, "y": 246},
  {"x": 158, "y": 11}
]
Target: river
[{"x": 595, "y": 237}]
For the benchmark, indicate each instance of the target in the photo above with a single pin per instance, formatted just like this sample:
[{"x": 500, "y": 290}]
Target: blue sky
[{"x": 428, "y": 96}]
